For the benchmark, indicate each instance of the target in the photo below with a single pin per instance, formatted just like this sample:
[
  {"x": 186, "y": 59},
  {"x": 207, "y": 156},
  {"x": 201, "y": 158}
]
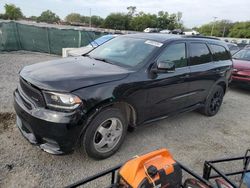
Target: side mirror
[{"x": 165, "y": 66}]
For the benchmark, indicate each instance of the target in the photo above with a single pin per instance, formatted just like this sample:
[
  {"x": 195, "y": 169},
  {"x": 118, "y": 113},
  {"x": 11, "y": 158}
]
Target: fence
[{"x": 17, "y": 36}]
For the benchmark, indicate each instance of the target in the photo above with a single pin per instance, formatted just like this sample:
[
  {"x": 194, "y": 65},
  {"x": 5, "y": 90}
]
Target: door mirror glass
[{"x": 165, "y": 66}]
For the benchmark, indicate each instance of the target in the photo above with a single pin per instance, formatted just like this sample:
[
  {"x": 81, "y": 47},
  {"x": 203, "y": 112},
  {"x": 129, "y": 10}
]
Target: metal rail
[{"x": 111, "y": 171}]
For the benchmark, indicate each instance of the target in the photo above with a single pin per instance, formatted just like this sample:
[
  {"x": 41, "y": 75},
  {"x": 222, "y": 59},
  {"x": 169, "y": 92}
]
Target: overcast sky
[{"x": 195, "y": 12}]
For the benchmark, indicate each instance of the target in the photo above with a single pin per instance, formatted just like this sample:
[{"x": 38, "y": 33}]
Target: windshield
[
  {"x": 101, "y": 40},
  {"x": 242, "y": 55},
  {"x": 124, "y": 51}
]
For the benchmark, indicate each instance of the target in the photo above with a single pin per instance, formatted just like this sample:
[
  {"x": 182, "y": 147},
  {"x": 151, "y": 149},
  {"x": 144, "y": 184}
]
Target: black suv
[{"x": 127, "y": 82}]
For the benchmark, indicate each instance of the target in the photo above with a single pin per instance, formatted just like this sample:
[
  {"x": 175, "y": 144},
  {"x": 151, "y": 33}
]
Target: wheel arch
[
  {"x": 124, "y": 106},
  {"x": 222, "y": 82}
]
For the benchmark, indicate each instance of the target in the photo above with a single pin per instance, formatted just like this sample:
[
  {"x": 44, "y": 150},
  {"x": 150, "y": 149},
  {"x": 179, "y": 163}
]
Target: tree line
[
  {"x": 135, "y": 20},
  {"x": 226, "y": 28},
  {"x": 131, "y": 20}
]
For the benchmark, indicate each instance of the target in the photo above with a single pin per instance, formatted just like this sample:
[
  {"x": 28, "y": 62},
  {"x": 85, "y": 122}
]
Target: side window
[
  {"x": 175, "y": 53},
  {"x": 219, "y": 52},
  {"x": 199, "y": 54}
]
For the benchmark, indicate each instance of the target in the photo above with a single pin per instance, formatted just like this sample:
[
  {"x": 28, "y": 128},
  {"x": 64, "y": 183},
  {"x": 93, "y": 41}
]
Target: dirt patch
[{"x": 7, "y": 120}]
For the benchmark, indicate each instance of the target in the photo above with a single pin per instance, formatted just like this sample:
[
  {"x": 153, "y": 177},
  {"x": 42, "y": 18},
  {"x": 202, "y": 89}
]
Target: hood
[
  {"x": 72, "y": 73},
  {"x": 241, "y": 64}
]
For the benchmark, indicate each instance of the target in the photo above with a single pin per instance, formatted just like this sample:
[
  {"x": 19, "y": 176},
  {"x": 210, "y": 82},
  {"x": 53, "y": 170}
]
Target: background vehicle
[
  {"x": 165, "y": 31},
  {"x": 247, "y": 46},
  {"x": 241, "y": 67},
  {"x": 177, "y": 32},
  {"x": 151, "y": 30},
  {"x": 192, "y": 32},
  {"x": 90, "y": 46},
  {"x": 233, "y": 48},
  {"x": 126, "y": 82}
]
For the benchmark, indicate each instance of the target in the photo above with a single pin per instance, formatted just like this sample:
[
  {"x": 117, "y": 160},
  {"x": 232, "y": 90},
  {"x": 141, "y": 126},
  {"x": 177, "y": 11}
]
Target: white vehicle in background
[
  {"x": 192, "y": 32},
  {"x": 72, "y": 52},
  {"x": 166, "y": 31},
  {"x": 151, "y": 30}
]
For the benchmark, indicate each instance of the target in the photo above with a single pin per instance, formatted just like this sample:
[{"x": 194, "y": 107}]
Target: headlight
[{"x": 61, "y": 101}]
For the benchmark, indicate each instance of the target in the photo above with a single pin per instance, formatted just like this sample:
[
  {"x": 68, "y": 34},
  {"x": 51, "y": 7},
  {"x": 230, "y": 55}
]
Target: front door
[{"x": 168, "y": 92}]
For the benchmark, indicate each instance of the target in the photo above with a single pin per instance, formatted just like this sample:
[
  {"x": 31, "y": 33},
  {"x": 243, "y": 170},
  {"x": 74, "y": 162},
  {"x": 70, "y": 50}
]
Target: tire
[
  {"x": 105, "y": 133},
  {"x": 213, "y": 102}
]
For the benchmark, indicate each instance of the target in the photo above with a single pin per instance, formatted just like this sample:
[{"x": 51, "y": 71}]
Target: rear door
[
  {"x": 201, "y": 71},
  {"x": 222, "y": 62}
]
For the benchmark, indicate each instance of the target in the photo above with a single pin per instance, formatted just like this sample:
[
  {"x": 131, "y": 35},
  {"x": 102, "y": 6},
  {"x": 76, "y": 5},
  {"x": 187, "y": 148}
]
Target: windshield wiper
[
  {"x": 87, "y": 55},
  {"x": 102, "y": 59}
]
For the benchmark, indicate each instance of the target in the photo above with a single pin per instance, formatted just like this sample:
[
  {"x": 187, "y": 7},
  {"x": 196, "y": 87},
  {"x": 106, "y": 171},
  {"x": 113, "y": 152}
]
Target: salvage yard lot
[{"x": 191, "y": 137}]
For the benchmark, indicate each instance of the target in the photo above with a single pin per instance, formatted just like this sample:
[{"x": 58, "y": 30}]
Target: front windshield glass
[
  {"x": 242, "y": 55},
  {"x": 124, "y": 51}
]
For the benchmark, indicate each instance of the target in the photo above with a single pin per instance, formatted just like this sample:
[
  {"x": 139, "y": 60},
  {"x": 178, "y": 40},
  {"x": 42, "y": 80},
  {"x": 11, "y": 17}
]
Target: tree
[
  {"x": 131, "y": 10},
  {"x": 49, "y": 17},
  {"x": 221, "y": 28},
  {"x": 240, "y": 30},
  {"x": 73, "y": 17},
  {"x": 12, "y": 12},
  {"x": 97, "y": 21},
  {"x": 162, "y": 20},
  {"x": 142, "y": 20},
  {"x": 3, "y": 16},
  {"x": 118, "y": 21},
  {"x": 33, "y": 18}
]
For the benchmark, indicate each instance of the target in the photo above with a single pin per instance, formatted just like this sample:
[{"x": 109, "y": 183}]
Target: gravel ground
[
  {"x": 191, "y": 137},
  {"x": 10, "y": 64}
]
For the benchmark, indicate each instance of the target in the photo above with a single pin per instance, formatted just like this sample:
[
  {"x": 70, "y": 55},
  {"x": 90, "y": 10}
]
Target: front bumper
[
  {"x": 54, "y": 132},
  {"x": 242, "y": 80}
]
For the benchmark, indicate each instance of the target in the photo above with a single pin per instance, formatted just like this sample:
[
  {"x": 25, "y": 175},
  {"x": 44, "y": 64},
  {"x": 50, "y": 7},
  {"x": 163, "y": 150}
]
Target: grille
[{"x": 32, "y": 93}]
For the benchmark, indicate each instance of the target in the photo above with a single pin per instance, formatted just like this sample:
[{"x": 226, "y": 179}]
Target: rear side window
[
  {"x": 219, "y": 52},
  {"x": 199, "y": 54},
  {"x": 175, "y": 53}
]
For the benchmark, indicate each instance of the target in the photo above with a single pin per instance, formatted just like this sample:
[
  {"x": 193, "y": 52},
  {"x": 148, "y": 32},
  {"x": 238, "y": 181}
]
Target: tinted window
[
  {"x": 219, "y": 53},
  {"x": 199, "y": 54},
  {"x": 175, "y": 53}
]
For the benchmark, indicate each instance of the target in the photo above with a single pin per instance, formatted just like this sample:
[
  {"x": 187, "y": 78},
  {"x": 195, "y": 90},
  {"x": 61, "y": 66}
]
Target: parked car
[
  {"x": 247, "y": 46},
  {"x": 129, "y": 81},
  {"x": 151, "y": 30},
  {"x": 241, "y": 67},
  {"x": 233, "y": 48},
  {"x": 97, "y": 42},
  {"x": 192, "y": 32},
  {"x": 166, "y": 31},
  {"x": 177, "y": 32}
]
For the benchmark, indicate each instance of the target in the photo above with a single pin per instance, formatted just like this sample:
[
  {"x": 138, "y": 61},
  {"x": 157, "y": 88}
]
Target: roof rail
[{"x": 202, "y": 37}]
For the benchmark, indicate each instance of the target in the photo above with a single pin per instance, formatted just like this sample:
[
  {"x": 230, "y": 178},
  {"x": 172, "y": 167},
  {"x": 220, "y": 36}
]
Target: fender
[{"x": 223, "y": 82}]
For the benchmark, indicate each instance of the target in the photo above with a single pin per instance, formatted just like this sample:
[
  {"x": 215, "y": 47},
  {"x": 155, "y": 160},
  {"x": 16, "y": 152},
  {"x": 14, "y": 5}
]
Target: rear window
[
  {"x": 219, "y": 53},
  {"x": 199, "y": 54}
]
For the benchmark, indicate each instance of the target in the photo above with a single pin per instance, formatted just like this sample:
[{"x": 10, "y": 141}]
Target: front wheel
[
  {"x": 213, "y": 101},
  {"x": 105, "y": 134}
]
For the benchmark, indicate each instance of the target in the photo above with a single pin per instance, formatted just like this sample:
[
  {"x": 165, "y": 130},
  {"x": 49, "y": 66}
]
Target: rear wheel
[
  {"x": 105, "y": 134},
  {"x": 213, "y": 101}
]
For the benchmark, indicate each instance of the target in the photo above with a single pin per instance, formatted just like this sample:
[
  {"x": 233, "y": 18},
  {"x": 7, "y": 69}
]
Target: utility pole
[
  {"x": 224, "y": 31},
  {"x": 213, "y": 26},
  {"x": 90, "y": 17}
]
